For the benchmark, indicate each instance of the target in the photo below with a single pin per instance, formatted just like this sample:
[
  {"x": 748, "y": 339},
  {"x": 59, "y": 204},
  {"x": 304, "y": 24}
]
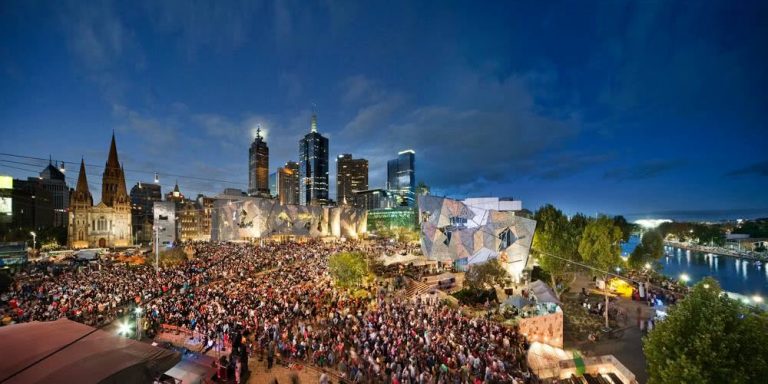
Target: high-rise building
[
  {"x": 374, "y": 199},
  {"x": 288, "y": 183},
  {"x": 401, "y": 177},
  {"x": 165, "y": 222},
  {"x": 351, "y": 176},
  {"x": 143, "y": 196},
  {"x": 32, "y": 204},
  {"x": 258, "y": 166},
  {"x": 273, "y": 184},
  {"x": 53, "y": 180},
  {"x": 206, "y": 212},
  {"x": 313, "y": 167},
  {"x": 107, "y": 224}
]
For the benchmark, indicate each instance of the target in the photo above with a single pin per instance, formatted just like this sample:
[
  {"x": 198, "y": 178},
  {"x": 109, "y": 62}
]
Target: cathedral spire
[
  {"x": 112, "y": 161},
  {"x": 82, "y": 181}
]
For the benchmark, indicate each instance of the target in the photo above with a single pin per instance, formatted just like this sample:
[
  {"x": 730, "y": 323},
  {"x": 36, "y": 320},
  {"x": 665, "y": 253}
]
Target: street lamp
[
  {"x": 647, "y": 265},
  {"x": 34, "y": 239},
  {"x": 124, "y": 329},
  {"x": 684, "y": 278},
  {"x": 757, "y": 299},
  {"x": 138, "y": 312},
  {"x": 157, "y": 247}
]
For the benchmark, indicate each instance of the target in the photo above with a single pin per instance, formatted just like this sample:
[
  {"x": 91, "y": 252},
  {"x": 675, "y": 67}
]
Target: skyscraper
[
  {"x": 351, "y": 176},
  {"x": 288, "y": 183},
  {"x": 143, "y": 196},
  {"x": 401, "y": 176},
  {"x": 273, "y": 184},
  {"x": 258, "y": 166},
  {"x": 313, "y": 167},
  {"x": 53, "y": 180}
]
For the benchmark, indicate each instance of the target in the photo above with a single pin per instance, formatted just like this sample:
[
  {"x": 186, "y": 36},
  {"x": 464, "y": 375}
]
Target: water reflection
[{"x": 735, "y": 275}]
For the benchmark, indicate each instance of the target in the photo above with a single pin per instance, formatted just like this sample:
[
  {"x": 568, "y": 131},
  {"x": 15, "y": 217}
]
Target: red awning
[{"x": 65, "y": 351}]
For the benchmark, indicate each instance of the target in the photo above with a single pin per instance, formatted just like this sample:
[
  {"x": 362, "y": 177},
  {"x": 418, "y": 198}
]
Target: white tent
[{"x": 543, "y": 293}]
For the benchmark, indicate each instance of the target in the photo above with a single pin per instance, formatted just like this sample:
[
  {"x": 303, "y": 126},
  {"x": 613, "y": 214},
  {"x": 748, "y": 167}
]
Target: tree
[
  {"x": 486, "y": 275},
  {"x": 348, "y": 269},
  {"x": 422, "y": 188},
  {"x": 708, "y": 338},
  {"x": 600, "y": 248},
  {"x": 650, "y": 249},
  {"x": 556, "y": 243},
  {"x": 626, "y": 227}
]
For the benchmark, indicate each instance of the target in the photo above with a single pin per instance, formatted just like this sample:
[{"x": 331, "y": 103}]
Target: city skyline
[{"x": 656, "y": 109}]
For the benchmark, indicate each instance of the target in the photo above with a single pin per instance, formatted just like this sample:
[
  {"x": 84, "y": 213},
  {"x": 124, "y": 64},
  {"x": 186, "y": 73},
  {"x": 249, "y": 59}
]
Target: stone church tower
[
  {"x": 79, "y": 203},
  {"x": 107, "y": 224}
]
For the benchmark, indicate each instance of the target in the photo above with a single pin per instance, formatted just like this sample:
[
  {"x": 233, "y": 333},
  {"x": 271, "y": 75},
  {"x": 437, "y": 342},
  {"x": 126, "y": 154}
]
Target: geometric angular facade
[
  {"x": 452, "y": 230},
  {"x": 250, "y": 218}
]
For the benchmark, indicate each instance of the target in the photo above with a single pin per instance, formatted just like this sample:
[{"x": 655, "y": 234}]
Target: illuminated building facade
[
  {"x": 108, "y": 224},
  {"x": 468, "y": 232},
  {"x": 374, "y": 199},
  {"x": 288, "y": 183},
  {"x": 313, "y": 167},
  {"x": 392, "y": 218},
  {"x": 251, "y": 218},
  {"x": 351, "y": 176},
  {"x": 143, "y": 196},
  {"x": 53, "y": 180},
  {"x": 258, "y": 167},
  {"x": 401, "y": 177}
]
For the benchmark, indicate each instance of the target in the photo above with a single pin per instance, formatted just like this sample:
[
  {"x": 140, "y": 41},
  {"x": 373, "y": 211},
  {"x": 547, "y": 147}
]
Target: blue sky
[{"x": 605, "y": 106}]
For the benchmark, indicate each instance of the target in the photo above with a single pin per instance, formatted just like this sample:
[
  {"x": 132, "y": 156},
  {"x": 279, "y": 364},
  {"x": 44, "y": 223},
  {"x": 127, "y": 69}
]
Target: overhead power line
[{"x": 152, "y": 172}]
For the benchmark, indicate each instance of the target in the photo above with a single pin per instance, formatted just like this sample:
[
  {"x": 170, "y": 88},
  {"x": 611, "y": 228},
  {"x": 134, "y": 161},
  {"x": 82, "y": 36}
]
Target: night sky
[{"x": 656, "y": 108}]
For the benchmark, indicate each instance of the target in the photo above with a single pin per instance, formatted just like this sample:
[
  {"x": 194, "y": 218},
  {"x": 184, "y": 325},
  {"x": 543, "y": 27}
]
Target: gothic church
[{"x": 107, "y": 224}]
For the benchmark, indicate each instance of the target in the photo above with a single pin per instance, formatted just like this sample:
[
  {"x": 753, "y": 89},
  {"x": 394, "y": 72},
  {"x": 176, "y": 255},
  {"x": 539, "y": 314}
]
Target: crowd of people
[{"x": 279, "y": 301}]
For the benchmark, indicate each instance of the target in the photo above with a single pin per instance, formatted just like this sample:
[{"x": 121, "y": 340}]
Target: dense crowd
[{"x": 278, "y": 300}]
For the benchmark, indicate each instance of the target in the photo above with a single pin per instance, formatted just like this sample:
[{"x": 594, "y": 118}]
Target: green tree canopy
[
  {"x": 625, "y": 226},
  {"x": 348, "y": 268},
  {"x": 556, "y": 242},
  {"x": 708, "y": 338},
  {"x": 600, "y": 247},
  {"x": 486, "y": 275},
  {"x": 600, "y": 244},
  {"x": 650, "y": 250}
]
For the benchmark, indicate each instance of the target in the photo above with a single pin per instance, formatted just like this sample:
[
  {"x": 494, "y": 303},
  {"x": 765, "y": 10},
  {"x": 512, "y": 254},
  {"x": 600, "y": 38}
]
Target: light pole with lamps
[
  {"x": 34, "y": 240},
  {"x": 138, "y": 312},
  {"x": 158, "y": 228}
]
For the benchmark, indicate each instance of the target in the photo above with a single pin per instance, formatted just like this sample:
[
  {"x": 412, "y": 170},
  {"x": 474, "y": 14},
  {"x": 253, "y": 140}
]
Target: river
[{"x": 735, "y": 275}]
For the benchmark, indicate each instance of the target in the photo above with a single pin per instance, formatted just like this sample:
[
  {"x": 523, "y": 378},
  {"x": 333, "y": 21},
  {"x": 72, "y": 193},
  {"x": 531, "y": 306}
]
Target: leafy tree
[
  {"x": 708, "y": 338},
  {"x": 650, "y": 249},
  {"x": 556, "y": 243},
  {"x": 486, "y": 275},
  {"x": 348, "y": 269},
  {"x": 600, "y": 248},
  {"x": 171, "y": 257},
  {"x": 579, "y": 222},
  {"x": 625, "y": 226},
  {"x": 422, "y": 188}
]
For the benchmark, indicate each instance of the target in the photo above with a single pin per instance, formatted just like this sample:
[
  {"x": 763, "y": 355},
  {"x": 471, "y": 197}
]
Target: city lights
[{"x": 124, "y": 329}]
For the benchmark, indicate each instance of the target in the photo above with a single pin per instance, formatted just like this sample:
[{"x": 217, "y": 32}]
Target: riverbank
[{"x": 717, "y": 250}]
